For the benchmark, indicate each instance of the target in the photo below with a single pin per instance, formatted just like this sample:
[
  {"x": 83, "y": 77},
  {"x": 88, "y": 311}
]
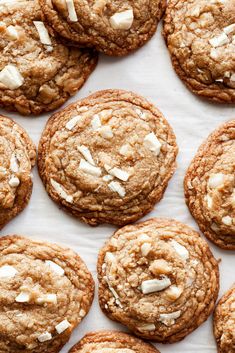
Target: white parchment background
[{"x": 149, "y": 73}]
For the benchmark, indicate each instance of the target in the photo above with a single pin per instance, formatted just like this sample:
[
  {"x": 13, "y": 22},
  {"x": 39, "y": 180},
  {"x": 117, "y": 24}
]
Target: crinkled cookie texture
[
  {"x": 224, "y": 323},
  {"x": 108, "y": 157},
  {"x": 159, "y": 278},
  {"x": 111, "y": 342},
  {"x": 17, "y": 158},
  {"x": 45, "y": 291},
  {"x": 113, "y": 27},
  {"x": 210, "y": 186},
  {"x": 200, "y": 35},
  {"x": 37, "y": 72}
]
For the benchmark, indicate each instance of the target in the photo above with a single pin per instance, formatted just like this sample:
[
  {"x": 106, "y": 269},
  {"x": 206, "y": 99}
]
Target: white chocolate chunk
[
  {"x": 72, "y": 11},
  {"x": 147, "y": 327},
  {"x": 216, "y": 180},
  {"x": 86, "y": 154},
  {"x": 42, "y": 32},
  {"x": 107, "y": 178},
  {"x": 119, "y": 173},
  {"x": 152, "y": 143},
  {"x": 95, "y": 122},
  {"x": 73, "y": 122},
  {"x": 174, "y": 292},
  {"x": 109, "y": 257},
  {"x": 227, "y": 220},
  {"x": 7, "y": 271},
  {"x": 14, "y": 182},
  {"x": 117, "y": 187},
  {"x": 125, "y": 150},
  {"x": 180, "y": 249},
  {"x": 62, "y": 326},
  {"x": 14, "y": 166},
  {"x": 160, "y": 266},
  {"x": 47, "y": 298},
  {"x": 155, "y": 285},
  {"x": 55, "y": 268},
  {"x": 145, "y": 249},
  {"x": 11, "y": 77},
  {"x": 46, "y": 336},
  {"x": 90, "y": 169},
  {"x": 169, "y": 319},
  {"x": 12, "y": 33},
  {"x": 122, "y": 20},
  {"x": 23, "y": 297},
  {"x": 106, "y": 132},
  {"x": 220, "y": 40},
  {"x": 229, "y": 29},
  {"x": 59, "y": 189}
]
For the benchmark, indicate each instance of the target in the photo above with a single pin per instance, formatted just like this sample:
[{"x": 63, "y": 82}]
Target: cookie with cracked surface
[
  {"x": 108, "y": 157},
  {"x": 224, "y": 322},
  {"x": 111, "y": 342},
  {"x": 210, "y": 187},
  {"x": 159, "y": 278},
  {"x": 37, "y": 72},
  {"x": 46, "y": 290},
  {"x": 112, "y": 27},
  {"x": 17, "y": 158},
  {"x": 200, "y": 35}
]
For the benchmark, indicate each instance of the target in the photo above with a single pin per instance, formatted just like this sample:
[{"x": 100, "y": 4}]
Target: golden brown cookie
[
  {"x": 200, "y": 36},
  {"x": 37, "y": 72},
  {"x": 45, "y": 292},
  {"x": 17, "y": 158},
  {"x": 111, "y": 342},
  {"x": 107, "y": 158},
  {"x": 159, "y": 278},
  {"x": 224, "y": 322},
  {"x": 210, "y": 186},
  {"x": 112, "y": 27}
]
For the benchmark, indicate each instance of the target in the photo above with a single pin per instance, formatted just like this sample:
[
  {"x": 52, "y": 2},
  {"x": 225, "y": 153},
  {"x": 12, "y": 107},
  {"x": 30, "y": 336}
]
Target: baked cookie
[
  {"x": 224, "y": 323},
  {"x": 108, "y": 157},
  {"x": 200, "y": 35},
  {"x": 17, "y": 158},
  {"x": 37, "y": 72},
  {"x": 45, "y": 291},
  {"x": 111, "y": 342},
  {"x": 210, "y": 187},
  {"x": 159, "y": 278},
  {"x": 112, "y": 27}
]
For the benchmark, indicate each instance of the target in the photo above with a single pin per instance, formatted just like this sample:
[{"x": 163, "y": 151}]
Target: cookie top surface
[
  {"x": 159, "y": 278},
  {"x": 200, "y": 36},
  {"x": 107, "y": 158},
  {"x": 210, "y": 186},
  {"x": 37, "y": 72},
  {"x": 17, "y": 157},
  {"x": 224, "y": 322},
  {"x": 111, "y": 342},
  {"x": 45, "y": 289},
  {"x": 113, "y": 27}
]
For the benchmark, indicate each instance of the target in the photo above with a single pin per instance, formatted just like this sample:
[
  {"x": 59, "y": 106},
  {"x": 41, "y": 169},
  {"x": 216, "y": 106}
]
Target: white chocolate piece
[
  {"x": 12, "y": 33},
  {"x": 55, "y": 268},
  {"x": 227, "y": 220},
  {"x": 145, "y": 249},
  {"x": 60, "y": 191},
  {"x": 46, "y": 336},
  {"x": 62, "y": 326},
  {"x": 147, "y": 327},
  {"x": 95, "y": 122},
  {"x": 86, "y": 154},
  {"x": 229, "y": 29},
  {"x": 14, "y": 166},
  {"x": 48, "y": 298},
  {"x": 216, "y": 180},
  {"x": 119, "y": 173},
  {"x": 122, "y": 20},
  {"x": 169, "y": 319},
  {"x": 155, "y": 285},
  {"x": 173, "y": 292},
  {"x": 117, "y": 187},
  {"x": 125, "y": 150},
  {"x": 106, "y": 132},
  {"x": 10, "y": 77},
  {"x": 219, "y": 40},
  {"x": 160, "y": 266},
  {"x": 7, "y": 271},
  {"x": 73, "y": 122},
  {"x": 152, "y": 143},
  {"x": 89, "y": 169},
  {"x": 72, "y": 11},
  {"x": 14, "y": 182},
  {"x": 180, "y": 249},
  {"x": 23, "y": 297},
  {"x": 42, "y": 32}
]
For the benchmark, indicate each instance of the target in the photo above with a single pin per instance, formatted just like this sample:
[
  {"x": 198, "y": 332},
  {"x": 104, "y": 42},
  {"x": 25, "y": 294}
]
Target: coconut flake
[
  {"x": 12, "y": 33},
  {"x": 86, "y": 154},
  {"x": 220, "y": 40},
  {"x": 7, "y": 271},
  {"x": 117, "y": 187},
  {"x": 180, "y": 249},
  {"x": 11, "y": 77},
  {"x": 106, "y": 132},
  {"x": 62, "y": 326},
  {"x": 42, "y": 32},
  {"x": 119, "y": 173},
  {"x": 107, "y": 178},
  {"x": 72, "y": 11},
  {"x": 145, "y": 249},
  {"x": 147, "y": 327},
  {"x": 155, "y": 285},
  {"x": 14, "y": 166},
  {"x": 73, "y": 122},
  {"x": 229, "y": 29},
  {"x": 59, "y": 189},
  {"x": 95, "y": 122},
  {"x": 169, "y": 319},
  {"x": 90, "y": 169}
]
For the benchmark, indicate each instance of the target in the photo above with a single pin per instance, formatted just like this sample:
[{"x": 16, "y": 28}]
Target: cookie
[
  {"x": 200, "y": 36},
  {"x": 107, "y": 158},
  {"x": 224, "y": 322},
  {"x": 209, "y": 187},
  {"x": 37, "y": 72},
  {"x": 158, "y": 278},
  {"x": 111, "y": 342},
  {"x": 46, "y": 290},
  {"x": 112, "y": 27},
  {"x": 17, "y": 158}
]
